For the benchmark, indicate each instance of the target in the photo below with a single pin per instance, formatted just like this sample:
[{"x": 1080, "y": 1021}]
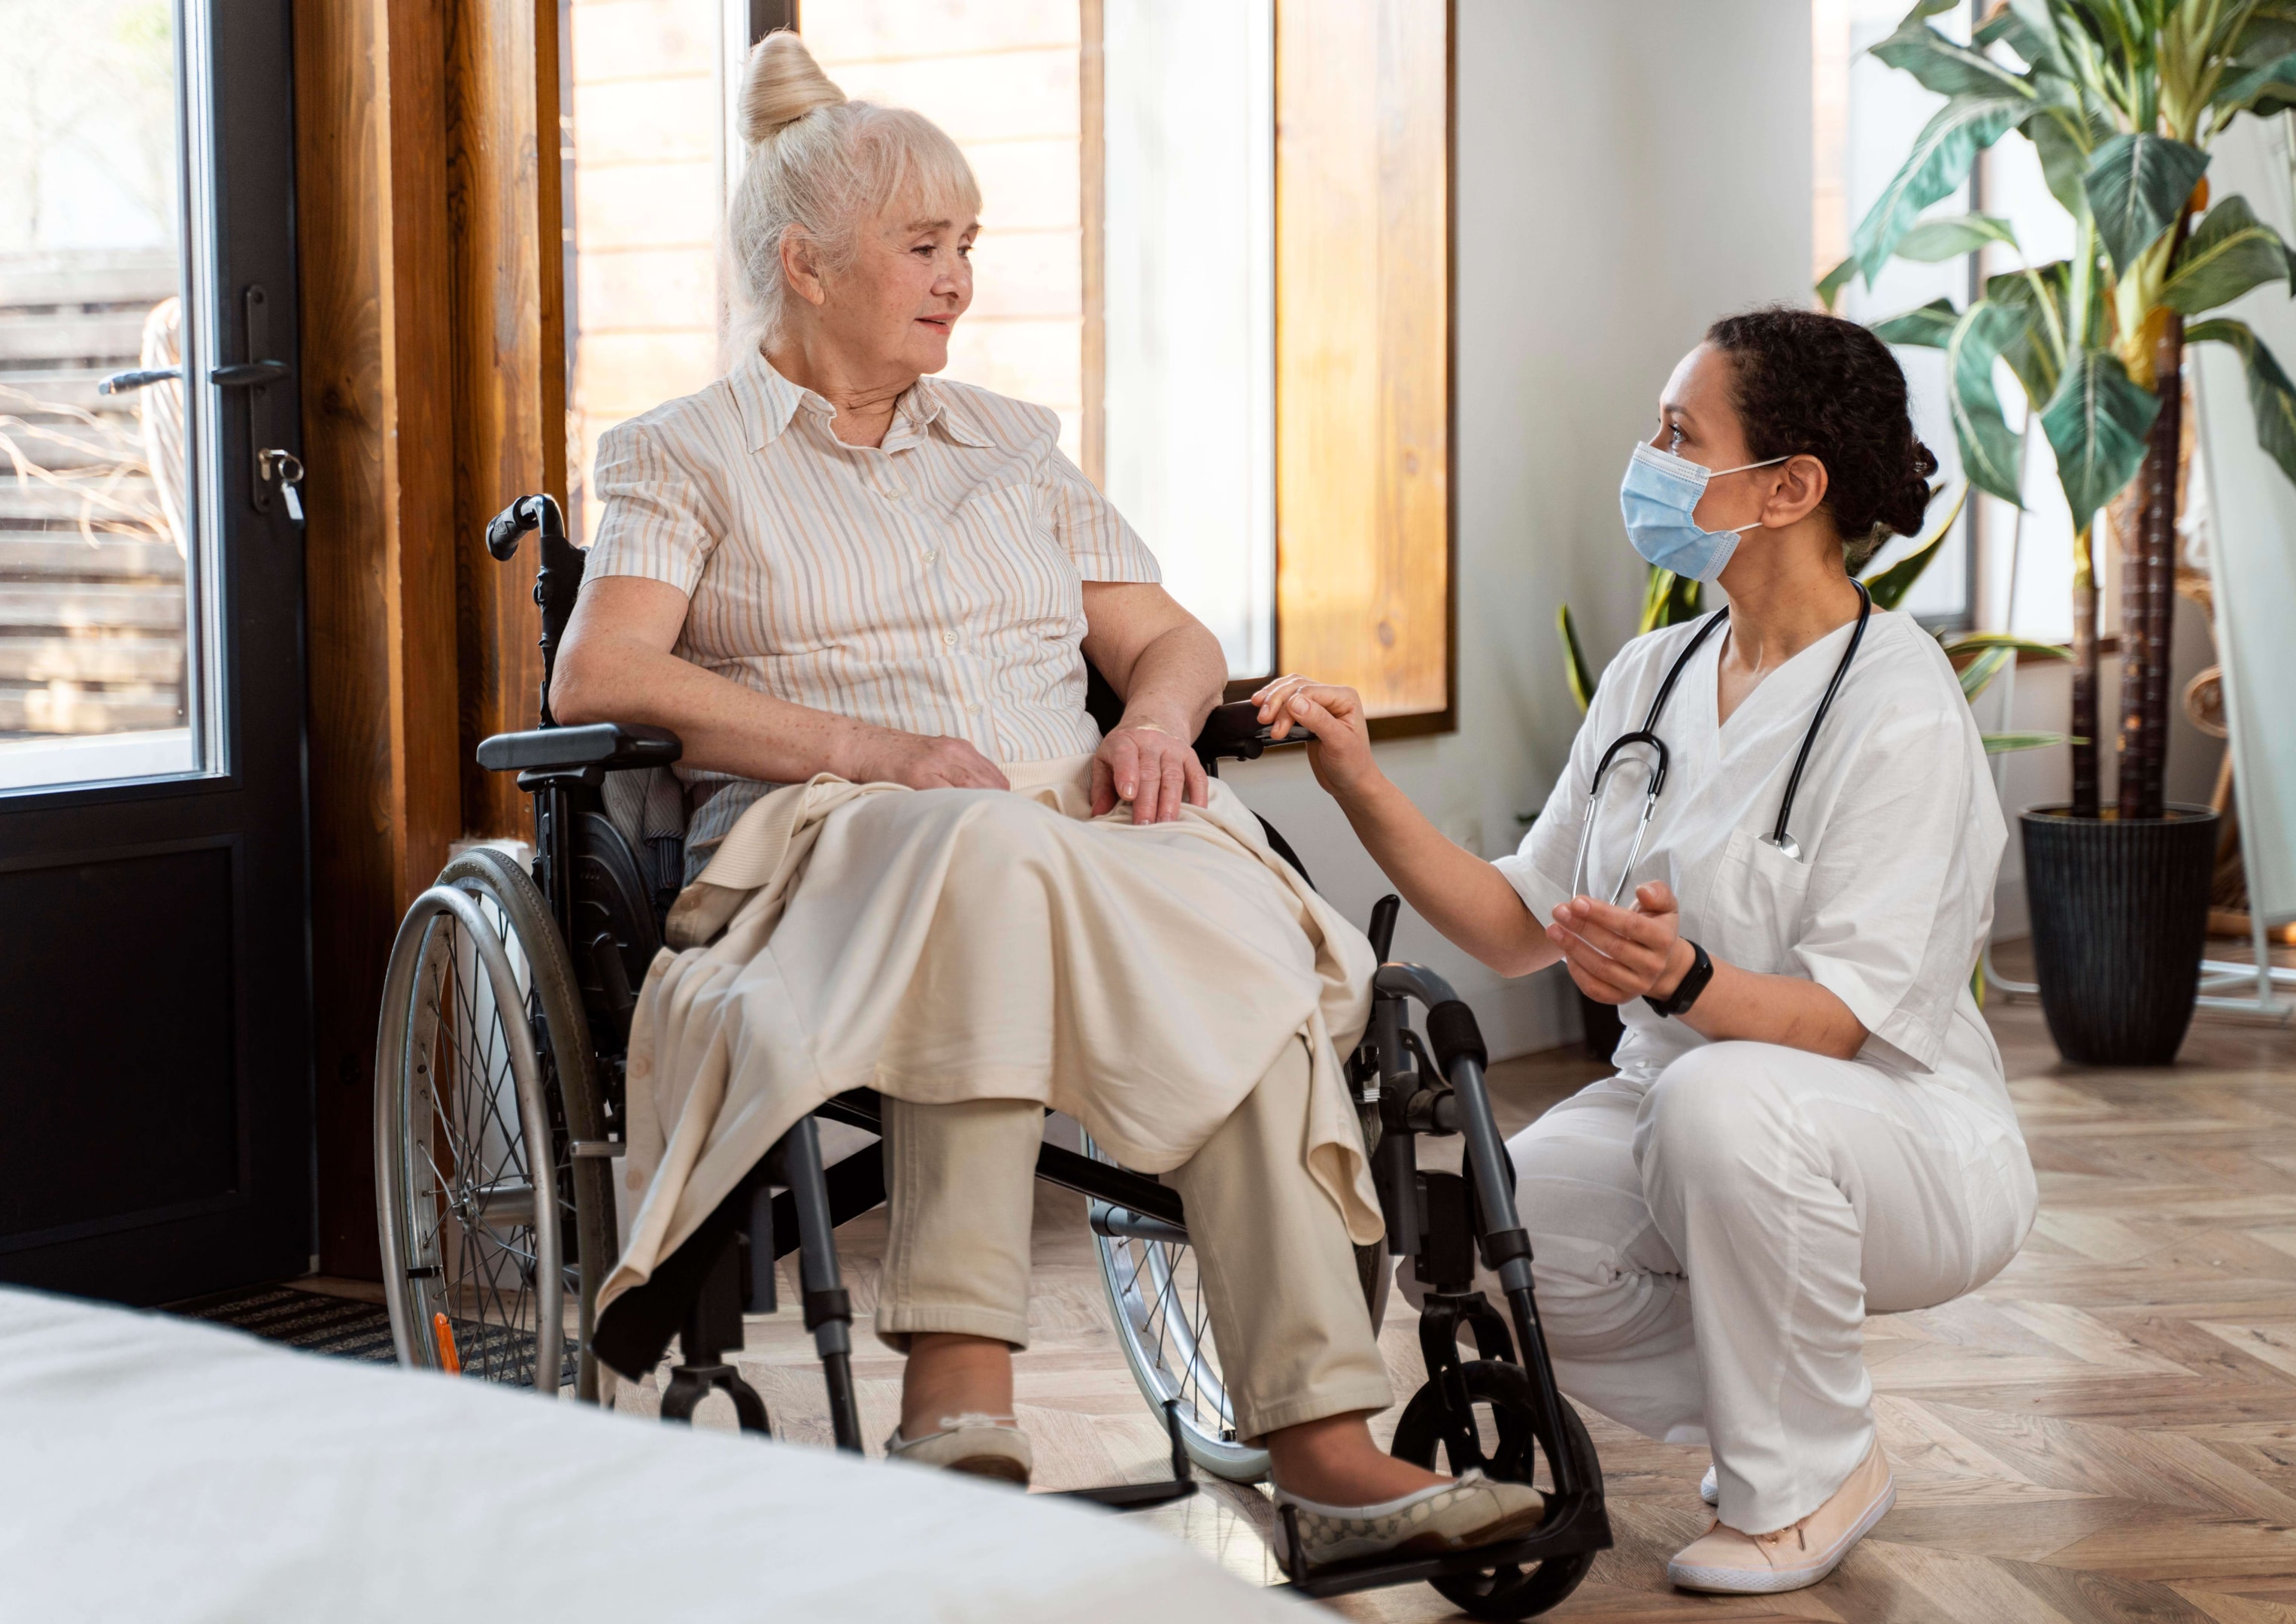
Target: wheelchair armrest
[
  {"x": 1235, "y": 732},
  {"x": 611, "y": 747}
]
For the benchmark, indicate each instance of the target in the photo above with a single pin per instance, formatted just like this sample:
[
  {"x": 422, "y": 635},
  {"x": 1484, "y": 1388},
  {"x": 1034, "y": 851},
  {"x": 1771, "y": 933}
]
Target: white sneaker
[
  {"x": 1710, "y": 1487},
  {"x": 1729, "y": 1562}
]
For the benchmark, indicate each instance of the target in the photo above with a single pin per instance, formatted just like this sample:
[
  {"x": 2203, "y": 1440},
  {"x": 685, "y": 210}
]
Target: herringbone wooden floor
[{"x": 2105, "y": 1432}]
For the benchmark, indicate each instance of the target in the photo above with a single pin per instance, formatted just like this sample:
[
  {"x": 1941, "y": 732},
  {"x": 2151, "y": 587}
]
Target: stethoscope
[{"x": 1648, "y": 735}]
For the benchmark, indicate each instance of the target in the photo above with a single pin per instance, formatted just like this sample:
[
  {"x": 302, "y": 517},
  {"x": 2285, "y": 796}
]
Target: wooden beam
[
  {"x": 508, "y": 316},
  {"x": 385, "y": 792},
  {"x": 1363, "y": 376}
]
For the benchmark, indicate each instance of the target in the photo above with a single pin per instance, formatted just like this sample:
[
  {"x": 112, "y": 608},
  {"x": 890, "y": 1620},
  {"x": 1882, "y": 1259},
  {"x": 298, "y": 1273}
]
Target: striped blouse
[{"x": 934, "y": 585}]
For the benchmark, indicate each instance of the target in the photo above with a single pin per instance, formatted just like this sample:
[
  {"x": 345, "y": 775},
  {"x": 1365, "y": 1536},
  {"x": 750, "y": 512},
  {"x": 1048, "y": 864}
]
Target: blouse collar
[{"x": 769, "y": 401}]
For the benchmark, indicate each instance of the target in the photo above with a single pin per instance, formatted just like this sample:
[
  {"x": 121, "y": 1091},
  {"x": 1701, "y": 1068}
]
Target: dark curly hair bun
[{"x": 1805, "y": 382}]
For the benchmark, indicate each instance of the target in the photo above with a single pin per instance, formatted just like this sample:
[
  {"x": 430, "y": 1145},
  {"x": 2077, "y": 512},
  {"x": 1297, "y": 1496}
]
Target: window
[
  {"x": 1133, "y": 271},
  {"x": 1999, "y": 570},
  {"x": 100, "y": 547}
]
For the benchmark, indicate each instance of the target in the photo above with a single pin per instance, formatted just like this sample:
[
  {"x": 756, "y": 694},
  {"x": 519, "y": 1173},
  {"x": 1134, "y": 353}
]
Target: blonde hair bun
[{"x": 782, "y": 84}]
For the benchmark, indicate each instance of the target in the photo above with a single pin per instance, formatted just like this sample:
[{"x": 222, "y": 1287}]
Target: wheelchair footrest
[
  {"x": 1132, "y": 1496},
  {"x": 1573, "y": 1526}
]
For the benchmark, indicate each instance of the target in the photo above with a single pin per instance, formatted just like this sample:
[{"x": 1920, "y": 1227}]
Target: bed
[{"x": 154, "y": 1469}]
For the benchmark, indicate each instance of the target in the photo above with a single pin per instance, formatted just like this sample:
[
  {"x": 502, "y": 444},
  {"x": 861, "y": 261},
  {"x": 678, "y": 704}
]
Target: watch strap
[{"x": 1687, "y": 990}]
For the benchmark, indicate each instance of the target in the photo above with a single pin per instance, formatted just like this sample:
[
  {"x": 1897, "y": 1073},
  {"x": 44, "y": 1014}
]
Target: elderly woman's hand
[
  {"x": 887, "y": 756},
  {"x": 1341, "y": 753},
  {"x": 1149, "y": 766}
]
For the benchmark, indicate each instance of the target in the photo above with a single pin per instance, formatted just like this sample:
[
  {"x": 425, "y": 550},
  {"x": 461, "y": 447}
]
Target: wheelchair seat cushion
[{"x": 954, "y": 944}]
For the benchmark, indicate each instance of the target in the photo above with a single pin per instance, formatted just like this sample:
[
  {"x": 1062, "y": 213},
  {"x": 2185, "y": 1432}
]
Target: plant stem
[
  {"x": 2083, "y": 719},
  {"x": 2147, "y": 591}
]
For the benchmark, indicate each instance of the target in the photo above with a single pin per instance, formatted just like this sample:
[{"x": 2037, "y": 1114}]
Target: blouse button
[
  {"x": 948, "y": 637},
  {"x": 931, "y": 553},
  {"x": 973, "y": 710}
]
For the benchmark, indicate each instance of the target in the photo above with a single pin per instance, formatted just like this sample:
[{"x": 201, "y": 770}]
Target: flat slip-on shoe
[
  {"x": 1458, "y": 1515},
  {"x": 979, "y": 1446},
  {"x": 1727, "y": 1562}
]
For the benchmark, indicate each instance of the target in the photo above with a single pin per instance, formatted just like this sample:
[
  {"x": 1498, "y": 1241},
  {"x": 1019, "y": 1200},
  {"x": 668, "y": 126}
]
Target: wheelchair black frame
[{"x": 1442, "y": 1220}]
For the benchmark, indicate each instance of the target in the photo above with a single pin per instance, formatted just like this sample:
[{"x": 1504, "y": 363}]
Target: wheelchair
[{"x": 499, "y": 1093}]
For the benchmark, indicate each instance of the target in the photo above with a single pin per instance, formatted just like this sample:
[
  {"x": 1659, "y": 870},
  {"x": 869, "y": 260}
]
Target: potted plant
[
  {"x": 2122, "y": 99},
  {"x": 1668, "y": 600}
]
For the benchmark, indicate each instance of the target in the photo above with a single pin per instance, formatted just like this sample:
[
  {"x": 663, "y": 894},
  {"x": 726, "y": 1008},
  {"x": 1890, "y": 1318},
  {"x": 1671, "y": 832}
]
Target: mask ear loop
[{"x": 1778, "y": 836}]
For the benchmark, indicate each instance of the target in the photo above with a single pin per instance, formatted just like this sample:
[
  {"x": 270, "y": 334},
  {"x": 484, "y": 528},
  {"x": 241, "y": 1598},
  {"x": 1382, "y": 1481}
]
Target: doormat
[{"x": 341, "y": 1328}]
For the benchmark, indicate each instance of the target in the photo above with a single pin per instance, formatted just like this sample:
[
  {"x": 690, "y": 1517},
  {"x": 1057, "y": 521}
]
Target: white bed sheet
[{"x": 157, "y": 1470}]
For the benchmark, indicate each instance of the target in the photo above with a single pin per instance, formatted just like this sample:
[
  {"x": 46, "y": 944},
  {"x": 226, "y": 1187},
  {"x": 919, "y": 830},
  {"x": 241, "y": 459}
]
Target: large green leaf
[
  {"x": 2270, "y": 394},
  {"x": 2026, "y": 27},
  {"x": 2002, "y": 744},
  {"x": 1942, "y": 153},
  {"x": 1950, "y": 236},
  {"x": 1889, "y": 587},
  {"x": 2096, "y": 424},
  {"x": 2065, "y": 137},
  {"x": 1968, "y": 642},
  {"x": 2263, "y": 91},
  {"x": 2032, "y": 351},
  {"x": 1988, "y": 447},
  {"x": 1668, "y": 600},
  {"x": 2136, "y": 185},
  {"x": 1576, "y": 671},
  {"x": 1927, "y": 328},
  {"x": 1946, "y": 66},
  {"x": 1978, "y": 675},
  {"x": 1830, "y": 285},
  {"x": 2230, "y": 252}
]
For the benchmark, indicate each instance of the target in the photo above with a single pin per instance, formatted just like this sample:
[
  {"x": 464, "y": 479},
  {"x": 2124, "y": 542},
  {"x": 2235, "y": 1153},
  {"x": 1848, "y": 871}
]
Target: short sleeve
[
  {"x": 658, "y": 524},
  {"x": 1105, "y": 547},
  {"x": 1901, "y": 885}
]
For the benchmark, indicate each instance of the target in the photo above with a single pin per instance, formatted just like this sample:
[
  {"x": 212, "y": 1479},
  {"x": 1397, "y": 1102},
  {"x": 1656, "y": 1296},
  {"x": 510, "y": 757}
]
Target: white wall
[{"x": 1626, "y": 172}]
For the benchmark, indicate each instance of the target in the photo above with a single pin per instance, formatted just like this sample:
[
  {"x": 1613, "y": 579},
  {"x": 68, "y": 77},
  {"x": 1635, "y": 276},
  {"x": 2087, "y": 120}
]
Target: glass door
[{"x": 153, "y": 988}]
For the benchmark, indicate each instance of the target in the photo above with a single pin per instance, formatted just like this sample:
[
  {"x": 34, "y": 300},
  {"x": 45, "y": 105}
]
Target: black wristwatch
[{"x": 1693, "y": 983}]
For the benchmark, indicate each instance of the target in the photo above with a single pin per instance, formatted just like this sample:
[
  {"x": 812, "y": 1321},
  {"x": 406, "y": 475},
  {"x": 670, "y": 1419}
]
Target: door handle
[{"x": 248, "y": 374}]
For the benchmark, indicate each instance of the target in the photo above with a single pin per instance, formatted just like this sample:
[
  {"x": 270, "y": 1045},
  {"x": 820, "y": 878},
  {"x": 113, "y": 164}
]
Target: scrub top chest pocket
[{"x": 1756, "y": 901}]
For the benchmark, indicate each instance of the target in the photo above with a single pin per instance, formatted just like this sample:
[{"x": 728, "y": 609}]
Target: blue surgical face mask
[{"x": 1657, "y": 498}]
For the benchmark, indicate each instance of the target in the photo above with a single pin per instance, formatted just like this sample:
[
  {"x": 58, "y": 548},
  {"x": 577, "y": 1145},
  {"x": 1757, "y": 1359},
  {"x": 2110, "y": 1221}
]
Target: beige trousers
[{"x": 1279, "y": 1277}]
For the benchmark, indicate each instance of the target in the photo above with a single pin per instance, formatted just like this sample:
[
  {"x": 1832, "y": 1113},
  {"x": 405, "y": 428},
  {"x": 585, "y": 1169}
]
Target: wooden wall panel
[
  {"x": 1362, "y": 274},
  {"x": 385, "y": 799},
  {"x": 428, "y": 188},
  {"x": 503, "y": 182}
]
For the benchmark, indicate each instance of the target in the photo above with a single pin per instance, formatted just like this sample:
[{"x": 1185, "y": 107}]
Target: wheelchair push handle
[
  {"x": 539, "y": 511},
  {"x": 1381, "y": 933}
]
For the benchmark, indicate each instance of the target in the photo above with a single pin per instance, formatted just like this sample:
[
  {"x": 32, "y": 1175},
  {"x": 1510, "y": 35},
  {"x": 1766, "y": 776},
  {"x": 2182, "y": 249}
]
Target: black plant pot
[
  {"x": 1602, "y": 1024},
  {"x": 2120, "y": 916}
]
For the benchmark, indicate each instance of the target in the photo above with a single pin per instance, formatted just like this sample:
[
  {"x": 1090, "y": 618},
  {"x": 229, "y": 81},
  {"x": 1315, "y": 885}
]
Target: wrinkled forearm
[
  {"x": 724, "y": 726},
  {"x": 1176, "y": 680}
]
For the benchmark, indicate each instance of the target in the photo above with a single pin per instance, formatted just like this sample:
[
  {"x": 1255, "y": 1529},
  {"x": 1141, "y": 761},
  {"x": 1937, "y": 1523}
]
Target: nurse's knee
[{"x": 1711, "y": 1111}]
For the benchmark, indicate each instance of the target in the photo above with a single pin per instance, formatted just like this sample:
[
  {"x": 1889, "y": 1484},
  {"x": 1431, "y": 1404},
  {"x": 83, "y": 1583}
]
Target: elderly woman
[{"x": 827, "y": 567}]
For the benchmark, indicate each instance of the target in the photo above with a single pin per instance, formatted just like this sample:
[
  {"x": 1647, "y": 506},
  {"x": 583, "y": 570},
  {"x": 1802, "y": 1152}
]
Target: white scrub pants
[{"x": 1706, "y": 1246}]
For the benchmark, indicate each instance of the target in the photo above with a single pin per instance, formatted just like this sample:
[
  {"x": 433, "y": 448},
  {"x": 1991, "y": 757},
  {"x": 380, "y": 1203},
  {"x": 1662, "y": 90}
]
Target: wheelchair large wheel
[
  {"x": 1506, "y": 1447},
  {"x": 1156, "y": 1303},
  {"x": 484, "y": 1083}
]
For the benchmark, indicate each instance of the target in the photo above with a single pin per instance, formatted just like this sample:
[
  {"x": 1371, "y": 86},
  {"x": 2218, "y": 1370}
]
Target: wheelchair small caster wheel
[{"x": 1501, "y": 1441}]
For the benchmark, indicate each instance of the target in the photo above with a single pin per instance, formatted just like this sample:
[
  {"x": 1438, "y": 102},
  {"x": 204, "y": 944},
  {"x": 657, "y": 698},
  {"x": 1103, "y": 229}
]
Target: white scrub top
[{"x": 1899, "y": 828}]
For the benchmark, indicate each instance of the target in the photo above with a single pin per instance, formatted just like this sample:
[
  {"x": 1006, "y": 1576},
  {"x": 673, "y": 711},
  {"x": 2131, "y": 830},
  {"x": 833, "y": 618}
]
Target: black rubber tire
[
  {"x": 1511, "y": 1592},
  {"x": 561, "y": 1034}
]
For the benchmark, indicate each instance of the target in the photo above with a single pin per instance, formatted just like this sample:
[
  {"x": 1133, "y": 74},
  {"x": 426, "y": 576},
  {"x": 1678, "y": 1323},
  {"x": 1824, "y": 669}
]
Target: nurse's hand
[
  {"x": 1341, "y": 752},
  {"x": 1617, "y": 954}
]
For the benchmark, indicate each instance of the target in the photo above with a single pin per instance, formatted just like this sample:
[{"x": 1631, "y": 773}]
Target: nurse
[{"x": 1808, "y": 1123}]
